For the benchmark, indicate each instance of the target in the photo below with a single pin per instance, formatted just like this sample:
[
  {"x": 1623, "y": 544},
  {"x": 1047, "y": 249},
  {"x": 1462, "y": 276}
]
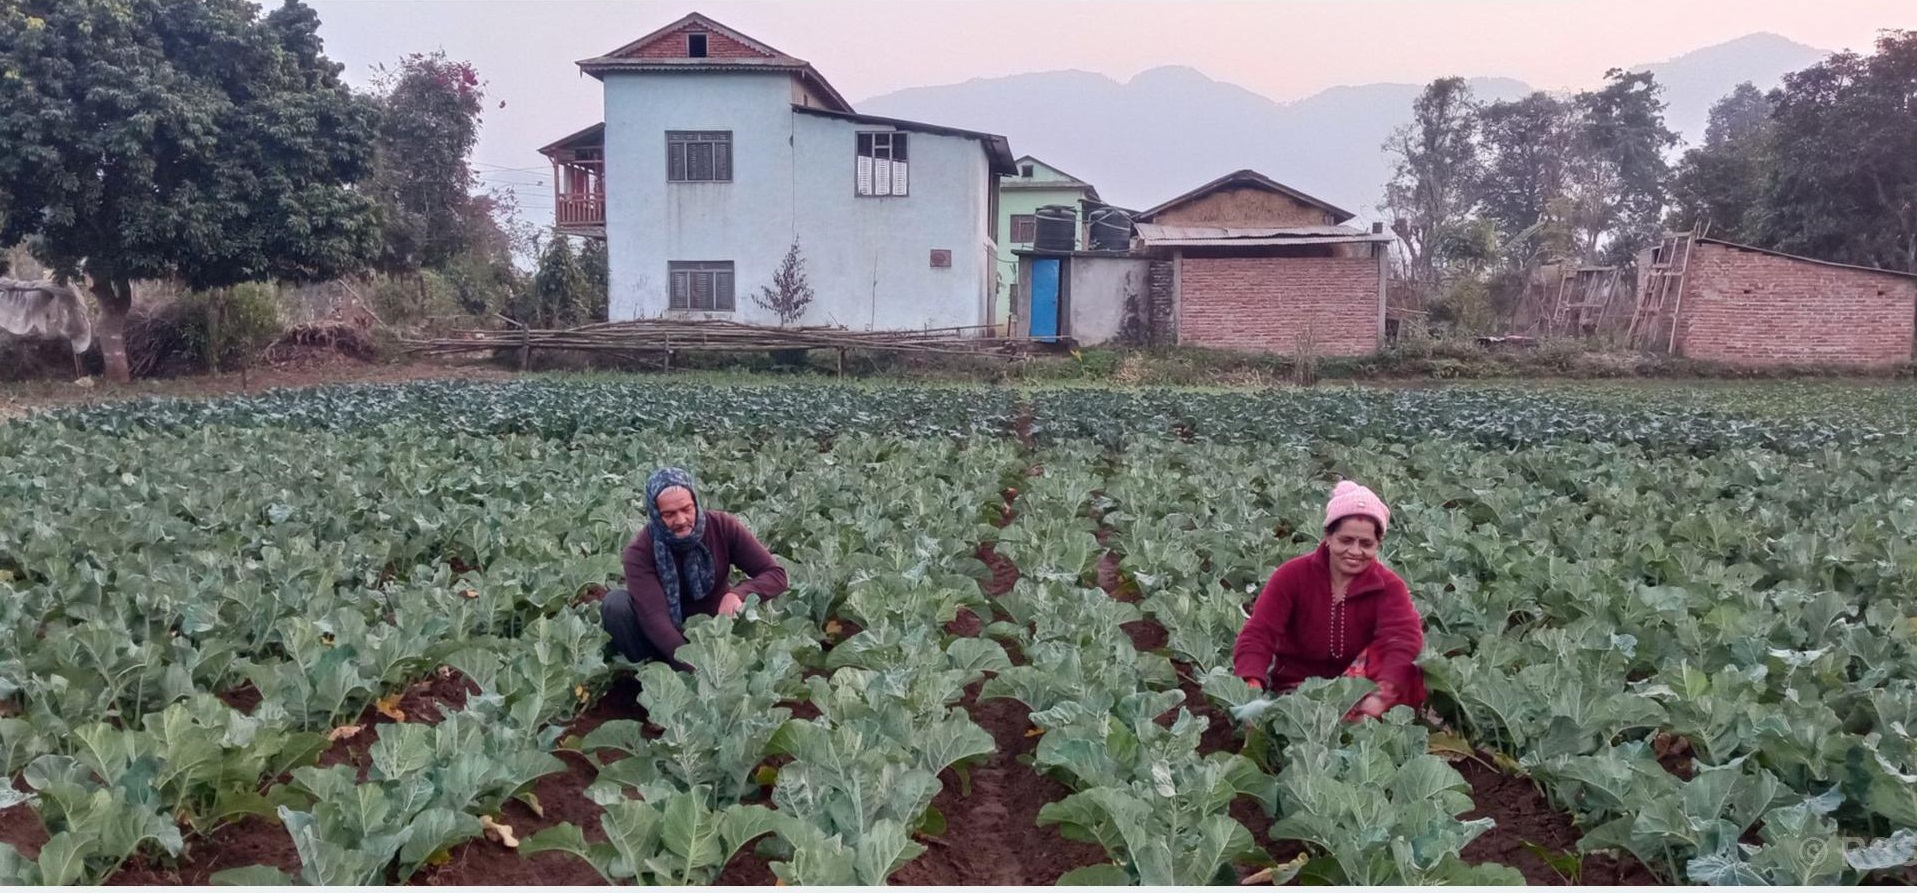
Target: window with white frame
[{"x": 882, "y": 163}]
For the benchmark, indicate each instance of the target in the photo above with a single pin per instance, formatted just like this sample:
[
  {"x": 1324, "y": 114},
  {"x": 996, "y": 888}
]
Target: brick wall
[
  {"x": 1758, "y": 309},
  {"x": 1161, "y": 328},
  {"x": 1265, "y": 303},
  {"x": 673, "y": 46}
]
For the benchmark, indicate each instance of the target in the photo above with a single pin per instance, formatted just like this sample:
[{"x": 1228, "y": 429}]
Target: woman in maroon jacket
[
  {"x": 680, "y": 564},
  {"x": 1337, "y": 611}
]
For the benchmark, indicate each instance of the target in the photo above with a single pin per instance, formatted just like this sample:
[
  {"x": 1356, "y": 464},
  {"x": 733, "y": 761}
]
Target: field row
[
  {"x": 367, "y": 652},
  {"x": 1792, "y": 420}
]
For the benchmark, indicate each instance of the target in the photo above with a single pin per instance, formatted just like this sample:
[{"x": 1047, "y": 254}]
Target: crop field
[{"x": 350, "y": 636}]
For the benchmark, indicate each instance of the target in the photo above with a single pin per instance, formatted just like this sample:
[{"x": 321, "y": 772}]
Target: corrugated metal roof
[
  {"x": 590, "y": 136},
  {"x": 1247, "y": 243},
  {"x": 1808, "y": 260},
  {"x": 1248, "y": 178},
  {"x": 1159, "y": 234}
]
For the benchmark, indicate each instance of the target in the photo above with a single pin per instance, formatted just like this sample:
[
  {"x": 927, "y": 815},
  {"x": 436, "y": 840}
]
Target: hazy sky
[{"x": 1284, "y": 49}]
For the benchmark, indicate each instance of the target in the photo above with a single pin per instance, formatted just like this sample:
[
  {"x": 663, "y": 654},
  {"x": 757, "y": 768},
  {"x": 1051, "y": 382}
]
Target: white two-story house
[{"x": 718, "y": 152}]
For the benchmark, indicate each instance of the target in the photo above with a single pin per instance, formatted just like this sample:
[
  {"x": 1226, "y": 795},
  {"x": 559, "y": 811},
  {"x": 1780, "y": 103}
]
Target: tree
[
  {"x": 593, "y": 260},
  {"x": 789, "y": 292},
  {"x": 1617, "y": 181},
  {"x": 1720, "y": 184},
  {"x": 1527, "y": 144},
  {"x": 560, "y": 287},
  {"x": 483, "y": 275},
  {"x": 1844, "y": 149},
  {"x": 429, "y": 123},
  {"x": 189, "y": 139},
  {"x": 1436, "y": 165}
]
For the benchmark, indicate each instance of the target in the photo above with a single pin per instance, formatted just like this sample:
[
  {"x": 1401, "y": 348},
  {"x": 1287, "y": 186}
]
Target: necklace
[
  {"x": 1338, "y": 619},
  {"x": 1338, "y": 627}
]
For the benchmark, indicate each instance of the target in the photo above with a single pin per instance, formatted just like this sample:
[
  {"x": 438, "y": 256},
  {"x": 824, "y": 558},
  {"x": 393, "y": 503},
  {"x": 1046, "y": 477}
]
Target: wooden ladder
[
  {"x": 1664, "y": 284},
  {"x": 1581, "y": 289}
]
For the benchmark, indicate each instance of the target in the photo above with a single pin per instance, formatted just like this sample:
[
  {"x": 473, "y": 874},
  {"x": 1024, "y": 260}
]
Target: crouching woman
[
  {"x": 680, "y": 564},
  {"x": 1338, "y": 611}
]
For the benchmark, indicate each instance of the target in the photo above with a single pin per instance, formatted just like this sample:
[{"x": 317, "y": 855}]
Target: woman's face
[{"x": 1354, "y": 545}]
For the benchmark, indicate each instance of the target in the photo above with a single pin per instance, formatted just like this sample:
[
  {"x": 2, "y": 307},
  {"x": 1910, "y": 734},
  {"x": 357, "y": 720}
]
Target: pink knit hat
[{"x": 1348, "y": 499}]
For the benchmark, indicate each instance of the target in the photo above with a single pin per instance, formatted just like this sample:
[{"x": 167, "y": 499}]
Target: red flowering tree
[{"x": 429, "y": 124}]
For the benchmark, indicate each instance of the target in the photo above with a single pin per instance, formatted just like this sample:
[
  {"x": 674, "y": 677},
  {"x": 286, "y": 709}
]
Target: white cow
[{"x": 40, "y": 308}]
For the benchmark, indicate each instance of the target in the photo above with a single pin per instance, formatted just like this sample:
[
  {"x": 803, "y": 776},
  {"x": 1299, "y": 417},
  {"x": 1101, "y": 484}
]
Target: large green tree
[
  {"x": 1527, "y": 144},
  {"x": 1843, "y": 184},
  {"x": 1720, "y": 184},
  {"x": 1436, "y": 164},
  {"x": 1581, "y": 178},
  {"x": 189, "y": 139},
  {"x": 1617, "y": 181}
]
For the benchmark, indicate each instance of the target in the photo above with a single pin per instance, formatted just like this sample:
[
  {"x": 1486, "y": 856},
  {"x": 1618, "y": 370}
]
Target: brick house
[
  {"x": 1247, "y": 263},
  {"x": 1749, "y": 306}
]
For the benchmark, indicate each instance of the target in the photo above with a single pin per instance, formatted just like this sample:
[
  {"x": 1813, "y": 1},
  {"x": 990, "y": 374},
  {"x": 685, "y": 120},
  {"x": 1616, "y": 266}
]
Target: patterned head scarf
[{"x": 697, "y": 581}]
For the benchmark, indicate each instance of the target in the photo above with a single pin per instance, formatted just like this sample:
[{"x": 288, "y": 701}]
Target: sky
[{"x": 1283, "y": 49}]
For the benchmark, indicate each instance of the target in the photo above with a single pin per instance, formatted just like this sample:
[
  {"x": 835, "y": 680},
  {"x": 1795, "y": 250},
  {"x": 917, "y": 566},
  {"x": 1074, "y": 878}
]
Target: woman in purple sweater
[{"x": 681, "y": 564}]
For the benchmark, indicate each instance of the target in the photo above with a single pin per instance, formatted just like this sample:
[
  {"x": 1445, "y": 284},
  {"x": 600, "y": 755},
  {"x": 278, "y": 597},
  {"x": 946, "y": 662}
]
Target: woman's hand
[
  {"x": 1373, "y": 706},
  {"x": 1255, "y": 684},
  {"x": 730, "y": 603}
]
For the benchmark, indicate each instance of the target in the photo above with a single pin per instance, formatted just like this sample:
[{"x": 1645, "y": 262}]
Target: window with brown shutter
[
  {"x": 1024, "y": 229},
  {"x": 700, "y": 285},
  {"x": 881, "y": 165},
  {"x": 698, "y": 156}
]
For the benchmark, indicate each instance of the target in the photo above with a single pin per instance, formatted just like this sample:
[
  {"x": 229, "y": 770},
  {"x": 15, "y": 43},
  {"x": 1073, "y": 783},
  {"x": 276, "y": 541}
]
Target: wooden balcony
[
  {"x": 580, "y": 213},
  {"x": 579, "y": 182}
]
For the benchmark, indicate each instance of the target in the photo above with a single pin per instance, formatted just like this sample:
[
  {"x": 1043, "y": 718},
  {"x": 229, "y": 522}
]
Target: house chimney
[{"x": 1377, "y": 228}]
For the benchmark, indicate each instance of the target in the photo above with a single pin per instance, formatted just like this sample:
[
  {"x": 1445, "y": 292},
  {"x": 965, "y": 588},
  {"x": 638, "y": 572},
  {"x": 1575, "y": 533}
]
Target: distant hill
[
  {"x": 1170, "y": 129},
  {"x": 1695, "y": 80}
]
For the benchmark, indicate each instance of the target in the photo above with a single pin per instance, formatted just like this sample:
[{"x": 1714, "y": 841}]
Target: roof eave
[
  {"x": 602, "y": 66},
  {"x": 1068, "y": 175},
  {"x": 1799, "y": 257},
  {"x": 831, "y": 93},
  {"x": 1057, "y": 186},
  {"x": 562, "y": 142},
  {"x": 1250, "y": 178},
  {"x": 997, "y": 148},
  {"x": 708, "y": 23},
  {"x": 1265, "y": 243}
]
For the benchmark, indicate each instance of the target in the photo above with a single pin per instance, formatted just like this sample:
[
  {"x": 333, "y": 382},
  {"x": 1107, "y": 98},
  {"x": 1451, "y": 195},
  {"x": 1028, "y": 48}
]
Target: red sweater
[
  {"x": 1294, "y": 629},
  {"x": 731, "y": 544}
]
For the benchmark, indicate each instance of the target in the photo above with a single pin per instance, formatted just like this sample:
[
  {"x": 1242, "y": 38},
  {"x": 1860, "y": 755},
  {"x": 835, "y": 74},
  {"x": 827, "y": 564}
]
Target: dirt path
[
  {"x": 1525, "y": 817},
  {"x": 992, "y": 833}
]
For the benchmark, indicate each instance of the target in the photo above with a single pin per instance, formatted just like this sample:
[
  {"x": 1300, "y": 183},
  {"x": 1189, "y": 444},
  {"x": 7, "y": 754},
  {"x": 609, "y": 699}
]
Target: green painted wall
[{"x": 1025, "y": 195}]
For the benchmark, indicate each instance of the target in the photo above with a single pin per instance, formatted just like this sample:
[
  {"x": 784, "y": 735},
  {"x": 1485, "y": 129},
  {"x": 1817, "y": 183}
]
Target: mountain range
[{"x": 1170, "y": 129}]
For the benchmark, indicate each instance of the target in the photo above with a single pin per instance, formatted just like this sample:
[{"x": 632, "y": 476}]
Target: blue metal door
[{"x": 1045, "y": 299}]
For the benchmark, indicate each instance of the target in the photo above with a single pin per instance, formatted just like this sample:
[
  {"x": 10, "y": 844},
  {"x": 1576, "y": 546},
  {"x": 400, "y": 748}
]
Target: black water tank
[
  {"x": 1057, "y": 228},
  {"x": 1111, "y": 229}
]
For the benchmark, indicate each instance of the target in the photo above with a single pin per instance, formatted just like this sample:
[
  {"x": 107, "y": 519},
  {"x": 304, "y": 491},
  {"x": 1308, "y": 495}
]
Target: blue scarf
[{"x": 698, "y": 559}]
